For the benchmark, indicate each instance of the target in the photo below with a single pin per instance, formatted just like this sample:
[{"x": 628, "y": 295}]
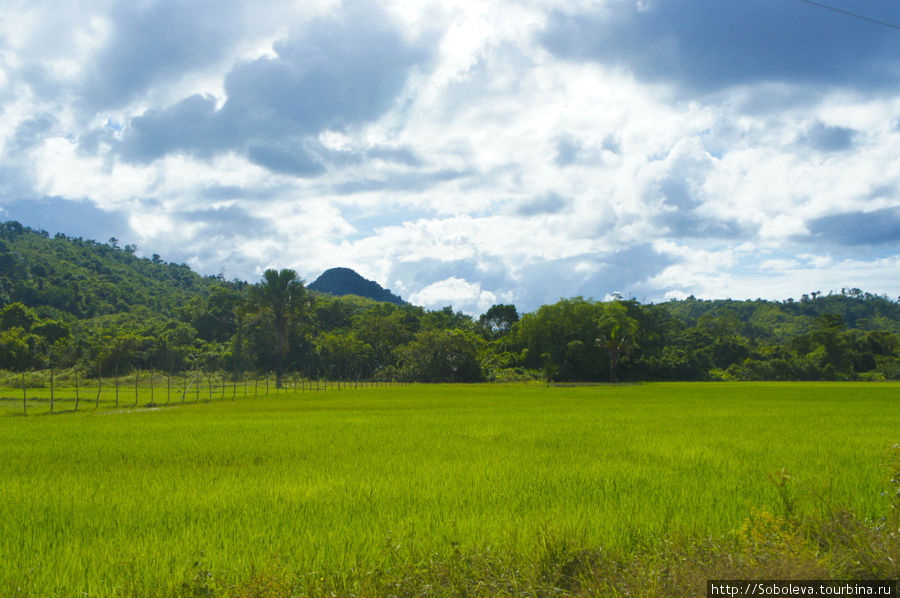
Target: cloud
[
  {"x": 827, "y": 138},
  {"x": 31, "y": 132},
  {"x": 596, "y": 275},
  {"x": 878, "y": 227},
  {"x": 548, "y": 203},
  {"x": 285, "y": 157},
  {"x": 191, "y": 126},
  {"x": 153, "y": 42},
  {"x": 400, "y": 181},
  {"x": 340, "y": 71},
  {"x": 227, "y": 221},
  {"x": 567, "y": 150},
  {"x": 705, "y": 45},
  {"x": 458, "y": 292}
]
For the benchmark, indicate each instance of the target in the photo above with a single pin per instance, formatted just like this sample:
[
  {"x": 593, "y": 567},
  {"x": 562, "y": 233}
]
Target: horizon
[
  {"x": 466, "y": 154},
  {"x": 852, "y": 292}
]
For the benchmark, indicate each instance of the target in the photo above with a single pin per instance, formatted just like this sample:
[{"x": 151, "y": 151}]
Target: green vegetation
[
  {"x": 522, "y": 486},
  {"x": 96, "y": 308}
]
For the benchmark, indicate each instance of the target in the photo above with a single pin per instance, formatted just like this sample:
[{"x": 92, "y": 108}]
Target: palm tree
[
  {"x": 282, "y": 299},
  {"x": 618, "y": 330}
]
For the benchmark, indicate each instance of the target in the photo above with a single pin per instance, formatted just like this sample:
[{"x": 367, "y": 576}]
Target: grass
[{"x": 507, "y": 488}]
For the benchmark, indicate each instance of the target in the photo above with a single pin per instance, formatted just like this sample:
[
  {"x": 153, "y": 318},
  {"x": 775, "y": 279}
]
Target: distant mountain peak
[{"x": 345, "y": 281}]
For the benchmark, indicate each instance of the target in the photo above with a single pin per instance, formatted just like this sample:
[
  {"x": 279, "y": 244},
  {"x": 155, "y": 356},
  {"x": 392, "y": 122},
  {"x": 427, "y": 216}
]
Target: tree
[
  {"x": 618, "y": 330},
  {"x": 559, "y": 339},
  {"x": 282, "y": 299},
  {"x": 498, "y": 320},
  {"x": 442, "y": 355}
]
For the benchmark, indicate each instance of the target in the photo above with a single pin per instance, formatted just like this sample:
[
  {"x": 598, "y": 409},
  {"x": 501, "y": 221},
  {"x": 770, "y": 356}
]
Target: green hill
[{"x": 83, "y": 278}]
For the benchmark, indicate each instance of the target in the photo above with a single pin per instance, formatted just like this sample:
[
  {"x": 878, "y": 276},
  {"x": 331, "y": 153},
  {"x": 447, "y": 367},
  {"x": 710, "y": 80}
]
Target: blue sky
[{"x": 468, "y": 153}]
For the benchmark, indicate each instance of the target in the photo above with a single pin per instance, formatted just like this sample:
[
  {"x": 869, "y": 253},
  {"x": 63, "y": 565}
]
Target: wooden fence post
[
  {"x": 99, "y": 386},
  {"x": 77, "y": 397}
]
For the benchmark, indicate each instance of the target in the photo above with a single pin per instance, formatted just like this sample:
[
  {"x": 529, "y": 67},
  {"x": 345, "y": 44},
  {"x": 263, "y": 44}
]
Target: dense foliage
[{"x": 69, "y": 302}]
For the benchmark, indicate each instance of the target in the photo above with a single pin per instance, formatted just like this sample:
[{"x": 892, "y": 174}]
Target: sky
[{"x": 468, "y": 153}]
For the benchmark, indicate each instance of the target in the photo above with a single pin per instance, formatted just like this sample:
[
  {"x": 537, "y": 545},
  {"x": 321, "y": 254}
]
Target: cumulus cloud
[
  {"x": 456, "y": 292},
  {"x": 340, "y": 71},
  {"x": 156, "y": 41}
]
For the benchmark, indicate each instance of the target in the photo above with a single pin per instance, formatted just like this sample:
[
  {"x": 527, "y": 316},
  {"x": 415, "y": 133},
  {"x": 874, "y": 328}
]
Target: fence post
[
  {"x": 99, "y": 386},
  {"x": 77, "y": 397}
]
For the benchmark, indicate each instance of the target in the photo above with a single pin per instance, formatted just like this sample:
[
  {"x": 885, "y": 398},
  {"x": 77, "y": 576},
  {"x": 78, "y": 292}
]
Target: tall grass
[{"x": 331, "y": 491}]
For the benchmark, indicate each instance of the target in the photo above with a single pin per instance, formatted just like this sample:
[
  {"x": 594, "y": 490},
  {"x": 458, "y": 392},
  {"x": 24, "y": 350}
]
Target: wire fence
[{"x": 37, "y": 393}]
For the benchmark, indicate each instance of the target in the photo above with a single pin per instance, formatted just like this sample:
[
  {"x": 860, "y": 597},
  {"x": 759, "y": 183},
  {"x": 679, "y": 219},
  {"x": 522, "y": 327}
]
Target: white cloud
[{"x": 458, "y": 292}]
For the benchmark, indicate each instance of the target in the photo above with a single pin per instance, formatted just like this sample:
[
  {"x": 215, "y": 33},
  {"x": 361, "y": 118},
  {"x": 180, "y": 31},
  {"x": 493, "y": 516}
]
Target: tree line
[{"x": 57, "y": 311}]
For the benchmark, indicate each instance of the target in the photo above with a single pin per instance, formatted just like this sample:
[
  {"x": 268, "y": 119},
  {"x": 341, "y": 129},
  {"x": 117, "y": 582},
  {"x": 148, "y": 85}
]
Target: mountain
[{"x": 344, "y": 281}]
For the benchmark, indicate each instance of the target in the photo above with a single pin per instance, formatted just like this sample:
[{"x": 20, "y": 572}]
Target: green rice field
[{"x": 332, "y": 486}]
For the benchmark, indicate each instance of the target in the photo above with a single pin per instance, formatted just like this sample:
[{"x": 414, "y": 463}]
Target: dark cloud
[
  {"x": 218, "y": 192},
  {"x": 72, "y": 218},
  {"x": 825, "y": 138},
  {"x": 706, "y": 45},
  {"x": 692, "y": 224},
  {"x": 190, "y": 126},
  {"x": 403, "y": 155},
  {"x": 30, "y": 132},
  {"x": 612, "y": 144},
  {"x": 490, "y": 272},
  {"x": 622, "y": 271},
  {"x": 366, "y": 220},
  {"x": 677, "y": 192},
  {"x": 157, "y": 41},
  {"x": 878, "y": 227},
  {"x": 880, "y": 191},
  {"x": 548, "y": 203},
  {"x": 405, "y": 181},
  {"x": 340, "y": 72},
  {"x": 543, "y": 281},
  {"x": 286, "y": 157},
  {"x": 229, "y": 222},
  {"x": 683, "y": 213},
  {"x": 567, "y": 150},
  {"x": 398, "y": 155}
]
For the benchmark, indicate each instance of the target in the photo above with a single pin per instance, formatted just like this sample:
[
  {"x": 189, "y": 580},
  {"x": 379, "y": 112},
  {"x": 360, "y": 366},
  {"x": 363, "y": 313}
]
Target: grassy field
[{"x": 320, "y": 492}]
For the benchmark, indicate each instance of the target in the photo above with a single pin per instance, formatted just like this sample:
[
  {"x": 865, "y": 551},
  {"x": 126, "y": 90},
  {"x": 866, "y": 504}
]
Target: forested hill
[
  {"x": 83, "y": 278},
  {"x": 778, "y": 321},
  {"x": 344, "y": 281}
]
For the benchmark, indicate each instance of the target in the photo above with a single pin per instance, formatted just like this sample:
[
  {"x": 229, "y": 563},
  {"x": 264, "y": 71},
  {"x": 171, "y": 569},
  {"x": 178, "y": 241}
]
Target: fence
[{"x": 38, "y": 393}]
